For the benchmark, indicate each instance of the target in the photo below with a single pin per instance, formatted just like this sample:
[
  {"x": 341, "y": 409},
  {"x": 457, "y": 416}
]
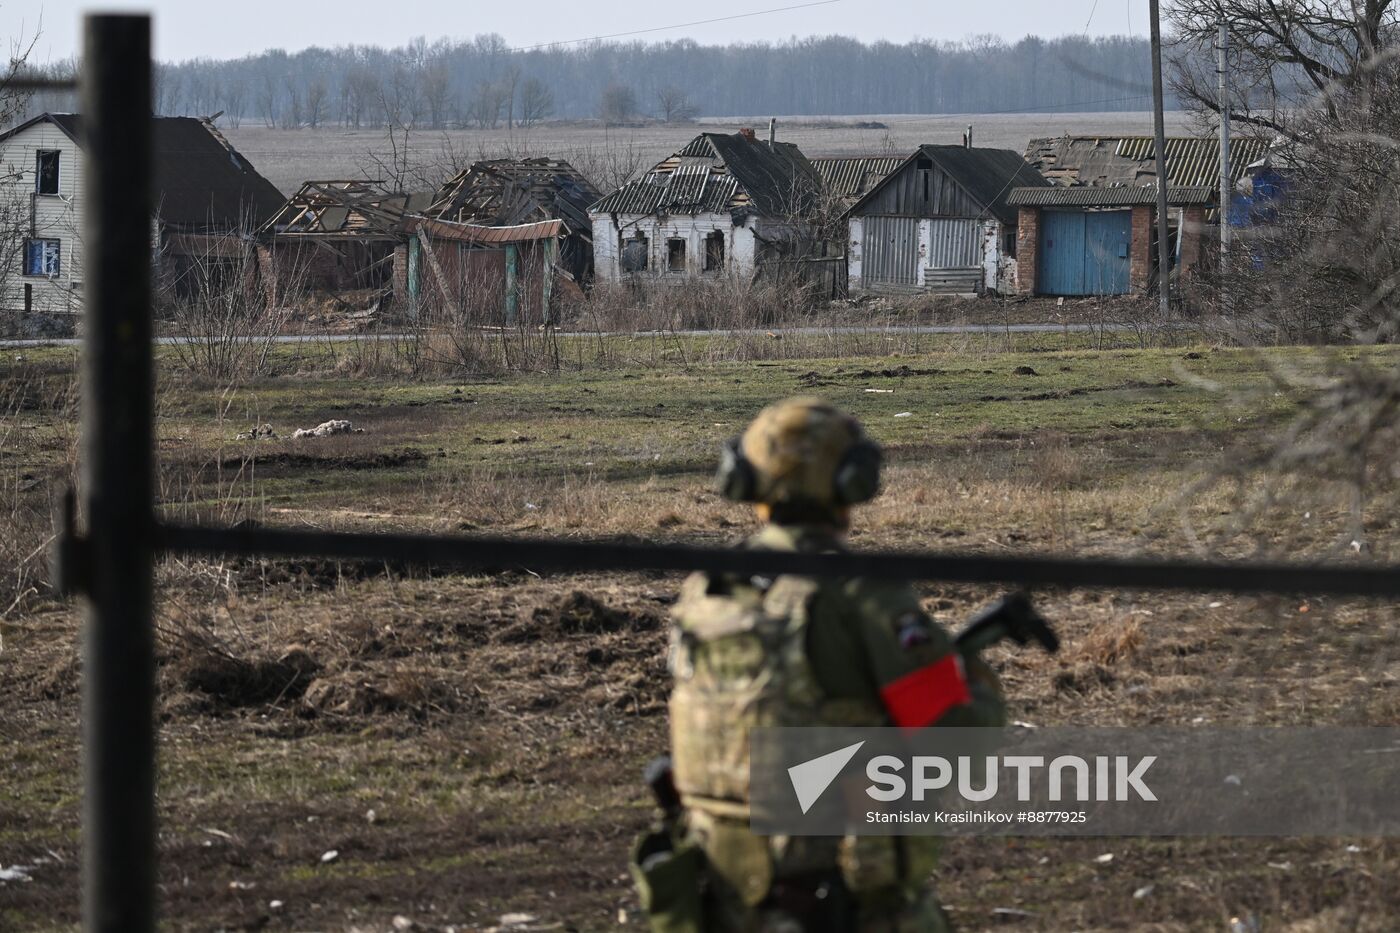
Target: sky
[{"x": 198, "y": 29}]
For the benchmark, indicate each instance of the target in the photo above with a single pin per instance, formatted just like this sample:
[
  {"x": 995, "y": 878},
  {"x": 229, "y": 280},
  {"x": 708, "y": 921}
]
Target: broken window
[
  {"x": 1008, "y": 244},
  {"x": 41, "y": 257},
  {"x": 634, "y": 253},
  {"x": 675, "y": 255},
  {"x": 46, "y": 171},
  {"x": 714, "y": 251}
]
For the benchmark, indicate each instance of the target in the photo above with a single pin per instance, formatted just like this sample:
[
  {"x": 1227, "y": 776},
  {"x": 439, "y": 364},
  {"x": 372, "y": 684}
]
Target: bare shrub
[
  {"x": 28, "y": 492},
  {"x": 218, "y": 308}
]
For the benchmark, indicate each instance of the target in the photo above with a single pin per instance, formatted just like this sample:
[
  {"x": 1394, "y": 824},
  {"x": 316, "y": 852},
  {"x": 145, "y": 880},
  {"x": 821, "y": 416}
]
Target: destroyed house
[
  {"x": 209, "y": 199},
  {"x": 722, "y": 205},
  {"x": 335, "y": 237},
  {"x": 939, "y": 222},
  {"x": 1094, "y": 233},
  {"x": 522, "y": 193}
]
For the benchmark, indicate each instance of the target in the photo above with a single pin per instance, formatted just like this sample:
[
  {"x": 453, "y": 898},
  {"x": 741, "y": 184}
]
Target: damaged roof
[
  {"x": 201, "y": 181},
  {"x": 510, "y": 192},
  {"x": 345, "y": 210},
  {"x": 1115, "y": 196},
  {"x": 1105, "y": 161},
  {"x": 987, "y": 175},
  {"x": 848, "y": 178},
  {"x": 719, "y": 173}
]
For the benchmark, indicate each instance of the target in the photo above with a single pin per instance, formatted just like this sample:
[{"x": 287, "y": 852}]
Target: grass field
[
  {"x": 289, "y": 157},
  {"x": 471, "y": 745}
]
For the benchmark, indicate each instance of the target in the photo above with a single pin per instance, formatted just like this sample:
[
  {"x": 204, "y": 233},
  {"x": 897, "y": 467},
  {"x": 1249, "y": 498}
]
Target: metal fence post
[{"x": 118, "y": 668}]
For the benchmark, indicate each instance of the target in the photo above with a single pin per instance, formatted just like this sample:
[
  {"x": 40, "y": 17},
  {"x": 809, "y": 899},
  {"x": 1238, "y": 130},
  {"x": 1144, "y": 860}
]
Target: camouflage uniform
[{"x": 751, "y": 652}]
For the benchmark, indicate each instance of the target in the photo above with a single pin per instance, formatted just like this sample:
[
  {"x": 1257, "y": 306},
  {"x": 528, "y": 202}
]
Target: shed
[
  {"x": 1096, "y": 234},
  {"x": 515, "y": 193},
  {"x": 939, "y": 222},
  {"x": 335, "y": 236}
]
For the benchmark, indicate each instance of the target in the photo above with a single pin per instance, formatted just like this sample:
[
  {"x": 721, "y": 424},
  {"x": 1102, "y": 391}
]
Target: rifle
[{"x": 1010, "y": 617}]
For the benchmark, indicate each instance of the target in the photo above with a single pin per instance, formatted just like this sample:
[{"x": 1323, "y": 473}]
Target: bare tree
[
  {"x": 536, "y": 102},
  {"x": 485, "y": 107},
  {"x": 676, "y": 106},
  {"x": 316, "y": 94},
  {"x": 437, "y": 92},
  {"x": 618, "y": 104},
  {"x": 1287, "y": 55}
]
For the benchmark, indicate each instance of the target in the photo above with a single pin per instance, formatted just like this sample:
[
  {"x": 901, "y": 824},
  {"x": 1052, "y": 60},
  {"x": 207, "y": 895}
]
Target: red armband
[{"x": 921, "y": 697}]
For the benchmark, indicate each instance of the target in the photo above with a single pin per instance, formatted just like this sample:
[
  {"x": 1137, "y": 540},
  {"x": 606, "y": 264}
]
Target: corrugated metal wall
[
  {"x": 954, "y": 243},
  {"x": 891, "y": 250}
]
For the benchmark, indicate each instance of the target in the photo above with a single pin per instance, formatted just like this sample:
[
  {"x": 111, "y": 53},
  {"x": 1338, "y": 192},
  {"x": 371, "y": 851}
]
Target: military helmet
[{"x": 803, "y": 453}]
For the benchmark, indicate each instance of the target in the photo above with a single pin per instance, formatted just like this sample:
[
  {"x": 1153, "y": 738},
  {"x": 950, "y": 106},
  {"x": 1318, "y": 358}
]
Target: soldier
[{"x": 750, "y": 651}]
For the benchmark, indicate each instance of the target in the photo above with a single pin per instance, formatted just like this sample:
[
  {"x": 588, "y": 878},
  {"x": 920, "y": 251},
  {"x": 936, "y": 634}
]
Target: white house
[
  {"x": 939, "y": 222},
  {"x": 723, "y": 205},
  {"x": 204, "y": 190}
]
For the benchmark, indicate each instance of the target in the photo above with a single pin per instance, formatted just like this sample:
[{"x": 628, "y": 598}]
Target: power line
[
  {"x": 698, "y": 22},
  {"x": 1092, "y": 10}
]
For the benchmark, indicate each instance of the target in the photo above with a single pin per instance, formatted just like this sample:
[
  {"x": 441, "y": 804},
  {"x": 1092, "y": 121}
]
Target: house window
[
  {"x": 46, "y": 171},
  {"x": 714, "y": 251},
  {"x": 41, "y": 257},
  {"x": 675, "y": 255},
  {"x": 1008, "y": 244},
  {"x": 634, "y": 253}
]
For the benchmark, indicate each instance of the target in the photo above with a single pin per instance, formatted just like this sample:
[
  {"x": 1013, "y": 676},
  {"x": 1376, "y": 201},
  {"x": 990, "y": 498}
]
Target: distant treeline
[{"x": 484, "y": 82}]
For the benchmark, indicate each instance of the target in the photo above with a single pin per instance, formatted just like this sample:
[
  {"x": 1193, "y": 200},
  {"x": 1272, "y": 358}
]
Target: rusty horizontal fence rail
[{"x": 535, "y": 554}]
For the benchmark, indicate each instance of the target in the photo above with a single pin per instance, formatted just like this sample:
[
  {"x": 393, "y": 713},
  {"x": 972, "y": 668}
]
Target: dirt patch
[
  {"x": 233, "y": 682},
  {"x": 287, "y": 460}
]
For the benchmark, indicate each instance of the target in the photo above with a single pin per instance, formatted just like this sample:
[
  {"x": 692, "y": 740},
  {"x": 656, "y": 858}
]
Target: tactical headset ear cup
[
  {"x": 736, "y": 478},
  {"x": 857, "y": 479}
]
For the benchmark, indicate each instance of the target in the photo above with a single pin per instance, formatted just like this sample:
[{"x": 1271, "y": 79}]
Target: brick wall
[
  {"x": 1192, "y": 238},
  {"x": 1027, "y": 243},
  {"x": 400, "y": 277},
  {"x": 1140, "y": 251}
]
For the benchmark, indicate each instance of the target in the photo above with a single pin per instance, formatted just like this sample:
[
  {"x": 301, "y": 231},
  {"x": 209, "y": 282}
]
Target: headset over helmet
[{"x": 801, "y": 455}]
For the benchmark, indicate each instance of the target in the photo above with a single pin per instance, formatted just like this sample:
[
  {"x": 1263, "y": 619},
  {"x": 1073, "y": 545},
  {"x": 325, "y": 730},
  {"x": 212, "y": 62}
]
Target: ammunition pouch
[{"x": 669, "y": 874}]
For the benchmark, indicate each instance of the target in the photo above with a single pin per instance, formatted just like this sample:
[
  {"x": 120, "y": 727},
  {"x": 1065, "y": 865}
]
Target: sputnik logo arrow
[{"x": 811, "y": 778}]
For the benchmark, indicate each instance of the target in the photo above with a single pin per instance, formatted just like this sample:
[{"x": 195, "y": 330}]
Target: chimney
[
  {"x": 967, "y": 140},
  {"x": 772, "y": 131},
  {"x": 747, "y": 133}
]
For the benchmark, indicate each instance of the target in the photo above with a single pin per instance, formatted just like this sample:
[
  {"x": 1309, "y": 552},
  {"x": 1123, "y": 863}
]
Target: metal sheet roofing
[
  {"x": 847, "y": 178},
  {"x": 491, "y": 235},
  {"x": 1119, "y": 196},
  {"x": 717, "y": 173},
  {"x": 1192, "y": 161}
]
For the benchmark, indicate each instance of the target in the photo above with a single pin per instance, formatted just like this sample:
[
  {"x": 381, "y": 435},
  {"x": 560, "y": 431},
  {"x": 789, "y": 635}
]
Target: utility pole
[
  {"x": 119, "y": 817},
  {"x": 1159, "y": 131},
  {"x": 1222, "y": 79}
]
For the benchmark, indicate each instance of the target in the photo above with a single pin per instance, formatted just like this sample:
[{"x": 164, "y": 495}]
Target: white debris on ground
[
  {"x": 16, "y": 873},
  {"x": 327, "y": 428},
  {"x": 261, "y": 432}
]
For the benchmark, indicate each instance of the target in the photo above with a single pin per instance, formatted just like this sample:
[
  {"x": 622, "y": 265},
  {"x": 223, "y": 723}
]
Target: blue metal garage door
[{"x": 1084, "y": 253}]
